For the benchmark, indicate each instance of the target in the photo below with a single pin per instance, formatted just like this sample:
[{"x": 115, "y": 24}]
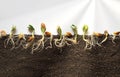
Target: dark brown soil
[{"x": 70, "y": 61}]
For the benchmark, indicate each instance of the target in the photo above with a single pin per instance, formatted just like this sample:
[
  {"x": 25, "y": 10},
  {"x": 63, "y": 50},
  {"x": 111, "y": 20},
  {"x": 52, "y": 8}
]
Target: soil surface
[{"x": 69, "y": 61}]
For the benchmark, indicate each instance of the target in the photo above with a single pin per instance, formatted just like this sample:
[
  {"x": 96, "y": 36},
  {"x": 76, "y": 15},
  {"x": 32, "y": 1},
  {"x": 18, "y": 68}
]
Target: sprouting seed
[
  {"x": 60, "y": 42},
  {"x": 75, "y": 31},
  {"x": 10, "y": 39},
  {"x": 88, "y": 41},
  {"x": 30, "y": 40},
  {"x": 40, "y": 43}
]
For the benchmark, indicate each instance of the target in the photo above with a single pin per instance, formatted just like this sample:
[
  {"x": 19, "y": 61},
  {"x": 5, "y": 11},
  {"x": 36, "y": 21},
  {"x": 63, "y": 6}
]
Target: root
[
  {"x": 13, "y": 44},
  {"x": 67, "y": 43},
  {"x": 103, "y": 40},
  {"x": 60, "y": 42},
  {"x": 113, "y": 39},
  {"x": 9, "y": 41},
  {"x": 71, "y": 40},
  {"x": 21, "y": 43},
  {"x": 51, "y": 39},
  {"x": 88, "y": 45},
  {"x": 27, "y": 45},
  {"x": 106, "y": 37},
  {"x": 37, "y": 46},
  {"x": 49, "y": 46},
  {"x": 92, "y": 42}
]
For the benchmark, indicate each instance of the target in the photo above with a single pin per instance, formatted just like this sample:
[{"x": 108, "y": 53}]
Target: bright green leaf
[
  {"x": 13, "y": 30},
  {"x": 74, "y": 28},
  {"x": 59, "y": 30},
  {"x": 31, "y": 28},
  {"x": 85, "y": 29}
]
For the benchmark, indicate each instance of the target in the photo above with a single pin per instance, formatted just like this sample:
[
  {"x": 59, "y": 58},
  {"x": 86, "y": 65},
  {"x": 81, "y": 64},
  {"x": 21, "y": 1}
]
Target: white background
[{"x": 98, "y": 14}]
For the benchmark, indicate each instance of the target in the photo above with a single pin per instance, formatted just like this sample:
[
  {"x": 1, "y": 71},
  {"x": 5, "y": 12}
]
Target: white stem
[{"x": 106, "y": 37}]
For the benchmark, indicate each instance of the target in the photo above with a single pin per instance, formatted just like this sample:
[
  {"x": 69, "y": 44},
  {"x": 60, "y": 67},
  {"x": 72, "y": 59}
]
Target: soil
[{"x": 69, "y": 61}]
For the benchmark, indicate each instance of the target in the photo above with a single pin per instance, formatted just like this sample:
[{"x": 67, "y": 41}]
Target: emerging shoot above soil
[
  {"x": 40, "y": 43},
  {"x": 87, "y": 40},
  {"x": 10, "y": 40},
  {"x": 73, "y": 40},
  {"x": 60, "y": 42},
  {"x": 31, "y": 38}
]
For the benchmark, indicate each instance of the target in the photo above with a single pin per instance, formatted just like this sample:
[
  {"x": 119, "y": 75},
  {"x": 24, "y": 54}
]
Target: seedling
[
  {"x": 115, "y": 34},
  {"x": 20, "y": 41},
  {"x": 48, "y": 34},
  {"x": 10, "y": 39},
  {"x": 88, "y": 41},
  {"x": 106, "y": 37},
  {"x": 40, "y": 43},
  {"x": 2, "y": 33},
  {"x": 31, "y": 38},
  {"x": 60, "y": 42},
  {"x": 73, "y": 40}
]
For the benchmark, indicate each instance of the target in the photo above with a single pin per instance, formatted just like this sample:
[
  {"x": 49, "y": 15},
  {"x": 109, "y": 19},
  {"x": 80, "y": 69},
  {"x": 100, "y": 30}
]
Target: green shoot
[
  {"x": 88, "y": 41},
  {"x": 73, "y": 40},
  {"x": 61, "y": 41},
  {"x": 74, "y": 28},
  {"x": 40, "y": 43},
  {"x": 31, "y": 29},
  {"x": 10, "y": 39},
  {"x": 85, "y": 29},
  {"x": 31, "y": 38},
  {"x": 59, "y": 31},
  {"x": 85, "y": 32}
]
